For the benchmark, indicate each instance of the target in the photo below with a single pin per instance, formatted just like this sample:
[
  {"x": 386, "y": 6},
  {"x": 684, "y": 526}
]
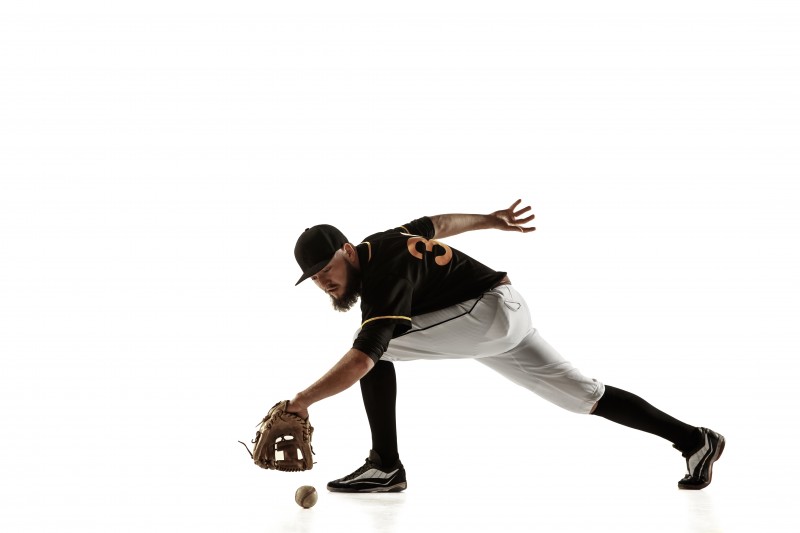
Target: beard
[{"x": 352, "y": 290}]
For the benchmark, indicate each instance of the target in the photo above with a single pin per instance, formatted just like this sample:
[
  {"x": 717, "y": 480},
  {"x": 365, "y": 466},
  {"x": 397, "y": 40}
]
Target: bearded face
[{"x": 351, "y": 290}]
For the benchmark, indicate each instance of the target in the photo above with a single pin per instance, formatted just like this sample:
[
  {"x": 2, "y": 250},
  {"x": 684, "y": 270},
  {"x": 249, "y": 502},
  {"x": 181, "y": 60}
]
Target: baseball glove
[{"x": 283, "y": 441}]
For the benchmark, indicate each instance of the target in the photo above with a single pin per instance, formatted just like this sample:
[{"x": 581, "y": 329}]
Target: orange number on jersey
[{"x": 441, "y": 260}]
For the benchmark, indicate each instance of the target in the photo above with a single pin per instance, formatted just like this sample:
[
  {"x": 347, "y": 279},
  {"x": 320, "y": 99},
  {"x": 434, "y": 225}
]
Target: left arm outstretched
[{"x": 504, "y": 219}]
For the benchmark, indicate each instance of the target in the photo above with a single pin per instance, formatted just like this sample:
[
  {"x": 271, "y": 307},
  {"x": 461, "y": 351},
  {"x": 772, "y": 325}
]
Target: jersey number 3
[{"x": 441, "y": 260}]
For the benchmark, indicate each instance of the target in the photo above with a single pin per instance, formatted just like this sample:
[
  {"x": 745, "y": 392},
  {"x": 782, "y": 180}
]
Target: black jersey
[{"x": 404, "y": 273}]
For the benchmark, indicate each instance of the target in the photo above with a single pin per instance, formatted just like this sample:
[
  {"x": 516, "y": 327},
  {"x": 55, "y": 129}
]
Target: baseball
[{"x": 306, "y": 496}]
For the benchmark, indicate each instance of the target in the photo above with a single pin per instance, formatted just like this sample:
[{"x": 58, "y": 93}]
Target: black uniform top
[{"x": 404, "y": 273}]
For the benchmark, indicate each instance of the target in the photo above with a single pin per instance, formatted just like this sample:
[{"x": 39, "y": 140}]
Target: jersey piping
[
  {"x": 385, "y": 317},
  {"x": 465, "y": 313}
]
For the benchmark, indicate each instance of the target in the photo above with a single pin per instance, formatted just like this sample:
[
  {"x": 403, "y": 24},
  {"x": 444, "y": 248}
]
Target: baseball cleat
[
  {"x": 700, "y": 460},
  {"x": 372, "y": 477}
]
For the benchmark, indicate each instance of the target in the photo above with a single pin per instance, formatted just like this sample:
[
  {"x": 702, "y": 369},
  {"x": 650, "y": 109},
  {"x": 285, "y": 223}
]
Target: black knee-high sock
[
  {"x": 379, "y": 391},
  {"x": 629, "y": 410}
]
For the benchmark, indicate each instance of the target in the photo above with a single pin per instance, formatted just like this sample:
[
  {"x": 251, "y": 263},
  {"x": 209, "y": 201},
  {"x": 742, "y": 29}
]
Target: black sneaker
[
  {"x": 700, "y": 460},
  {"x": 372, "y": 477}
]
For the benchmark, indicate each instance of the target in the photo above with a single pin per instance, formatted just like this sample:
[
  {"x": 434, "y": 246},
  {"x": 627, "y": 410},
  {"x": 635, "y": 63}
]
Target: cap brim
[{"x": 310, "y": 271}]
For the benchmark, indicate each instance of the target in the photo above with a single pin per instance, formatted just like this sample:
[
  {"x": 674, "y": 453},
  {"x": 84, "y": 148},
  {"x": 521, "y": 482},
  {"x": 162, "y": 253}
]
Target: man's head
[{"x": 325, "y": 256}]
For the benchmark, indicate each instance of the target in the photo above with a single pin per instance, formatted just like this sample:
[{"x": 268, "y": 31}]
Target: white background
[{"x": 159, "y": 159}]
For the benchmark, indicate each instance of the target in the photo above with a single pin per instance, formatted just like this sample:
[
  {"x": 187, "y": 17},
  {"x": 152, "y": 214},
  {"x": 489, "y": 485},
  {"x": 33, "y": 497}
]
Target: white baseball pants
[{"x": 495, "y": 329}]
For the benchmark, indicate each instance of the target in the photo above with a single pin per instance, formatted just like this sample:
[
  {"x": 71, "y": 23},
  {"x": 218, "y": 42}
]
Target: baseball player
[{"x": 423, "y": 299}]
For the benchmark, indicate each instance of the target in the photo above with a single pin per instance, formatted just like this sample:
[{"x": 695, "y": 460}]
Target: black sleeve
[
  {"x": 385, "y": 312},
  {"x": 420, "y": 226},
  {"x": 373, "y": 339}
]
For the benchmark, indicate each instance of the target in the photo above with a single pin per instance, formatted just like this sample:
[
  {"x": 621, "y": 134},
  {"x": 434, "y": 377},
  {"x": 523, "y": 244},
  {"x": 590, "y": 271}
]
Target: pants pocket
[{"x": 508, "y": 299}]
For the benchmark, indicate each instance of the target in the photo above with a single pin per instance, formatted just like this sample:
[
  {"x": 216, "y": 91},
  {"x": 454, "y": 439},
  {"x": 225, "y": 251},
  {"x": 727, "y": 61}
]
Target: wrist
[
  {"x": 299, "y": 402},
  {"x": 492, "y": 221}
]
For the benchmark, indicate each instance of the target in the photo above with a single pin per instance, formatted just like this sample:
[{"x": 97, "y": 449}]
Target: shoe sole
[
  {"x": 714, "y": 459},
  {"x": 392, "y": 488}
]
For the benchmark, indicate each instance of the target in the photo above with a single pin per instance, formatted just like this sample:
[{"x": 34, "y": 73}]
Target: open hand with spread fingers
[{"x": 509, "y": 219}]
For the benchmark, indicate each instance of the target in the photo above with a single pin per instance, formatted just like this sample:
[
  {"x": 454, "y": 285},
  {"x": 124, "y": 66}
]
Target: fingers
[
  {"x": 518, "y": 228},
  {"x": 521, "y": 211},
  {"x": 513, "y": 222}
]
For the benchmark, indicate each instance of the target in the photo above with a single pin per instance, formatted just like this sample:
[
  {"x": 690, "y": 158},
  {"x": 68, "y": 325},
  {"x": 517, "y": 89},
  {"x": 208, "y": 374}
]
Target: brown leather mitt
[{"x": 283, "y": 441}]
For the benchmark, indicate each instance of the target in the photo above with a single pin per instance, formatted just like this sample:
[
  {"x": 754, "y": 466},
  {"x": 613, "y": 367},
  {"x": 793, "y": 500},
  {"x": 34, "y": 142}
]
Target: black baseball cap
[{"x": 315, "y": 248}]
